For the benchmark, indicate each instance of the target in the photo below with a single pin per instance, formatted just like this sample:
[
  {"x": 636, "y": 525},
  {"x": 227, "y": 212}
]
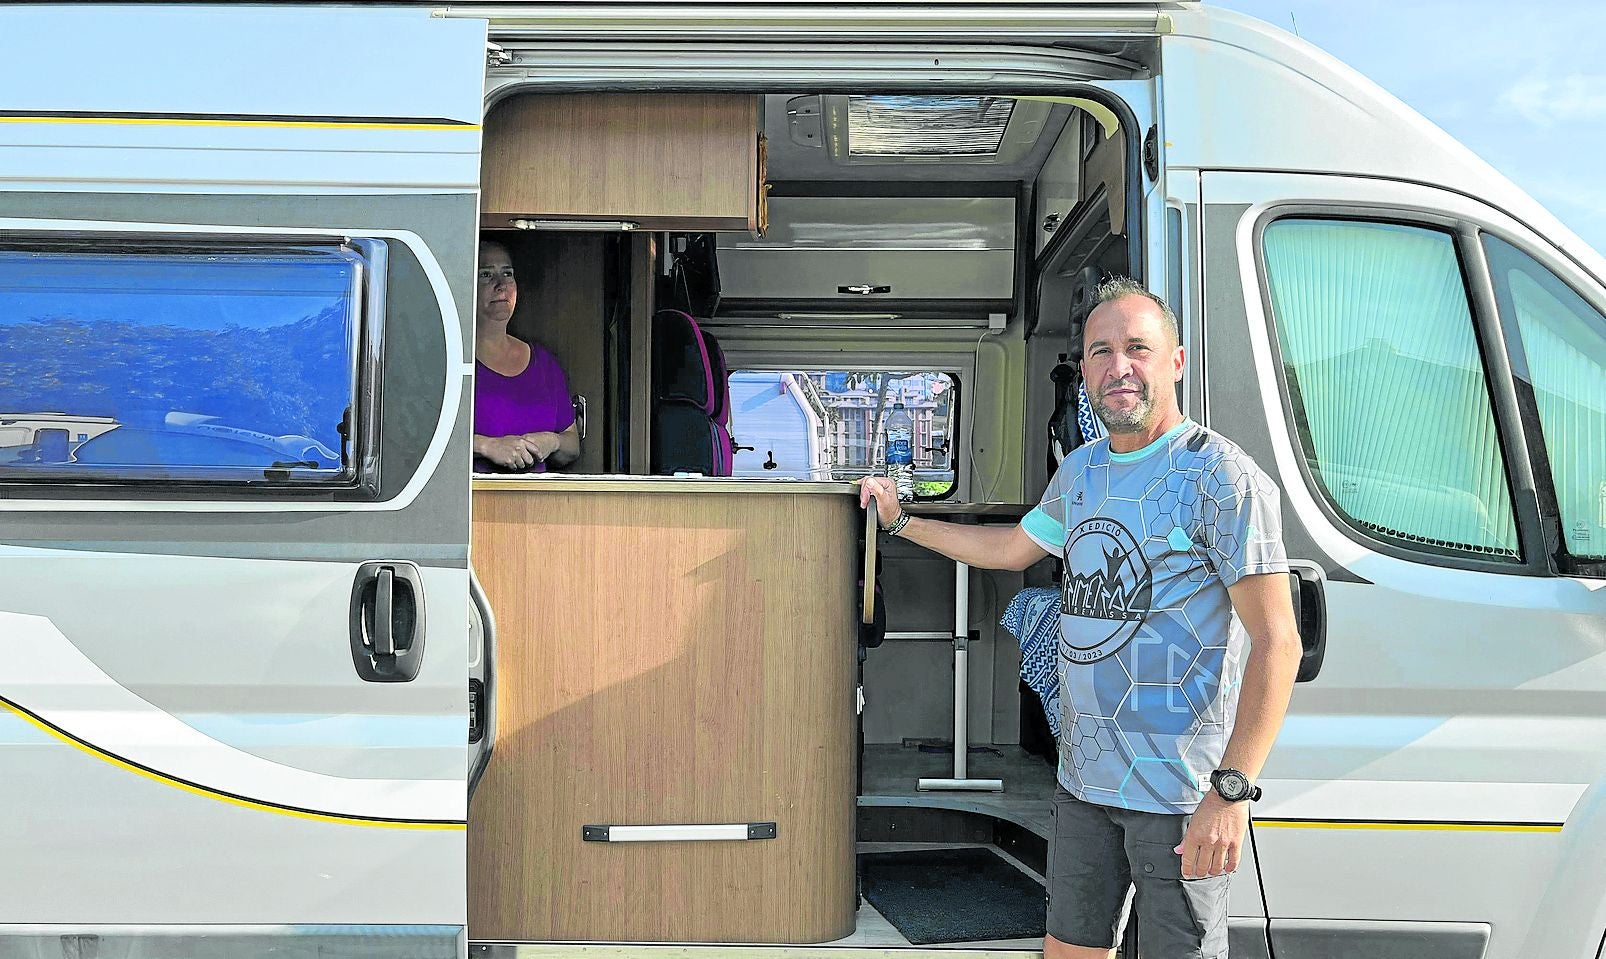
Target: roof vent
[
  {"x": 890, "y": 129},
  {"x": 888, "y": 126}
]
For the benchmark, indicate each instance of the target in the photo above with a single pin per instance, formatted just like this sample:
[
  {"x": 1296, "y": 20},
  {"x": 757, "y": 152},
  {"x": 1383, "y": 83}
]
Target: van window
[
  {"x": 827, "y": 424},
  {"x": 1387, "y": 386},
  {"x": 1564, "y": 340},
  {"x": 181, "y": 362}
]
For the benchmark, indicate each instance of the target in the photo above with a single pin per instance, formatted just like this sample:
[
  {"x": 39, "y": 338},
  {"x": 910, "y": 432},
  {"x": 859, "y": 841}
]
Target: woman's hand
[
  {"x": 512, "y": 452},
  {"x": 542, "y": 444}
]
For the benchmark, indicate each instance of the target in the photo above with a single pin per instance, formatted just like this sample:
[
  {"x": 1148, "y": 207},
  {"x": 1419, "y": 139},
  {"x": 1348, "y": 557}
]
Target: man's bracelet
[{"x": 898, "y": 524}]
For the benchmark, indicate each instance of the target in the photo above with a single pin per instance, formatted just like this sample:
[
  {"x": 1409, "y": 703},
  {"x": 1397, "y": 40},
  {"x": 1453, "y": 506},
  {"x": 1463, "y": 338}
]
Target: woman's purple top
[{"x": 534, "y": 401}]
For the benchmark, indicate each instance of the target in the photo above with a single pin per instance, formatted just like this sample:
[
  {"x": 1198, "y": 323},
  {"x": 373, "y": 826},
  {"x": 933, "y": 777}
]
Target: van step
[{"x": 563, "y": 950}]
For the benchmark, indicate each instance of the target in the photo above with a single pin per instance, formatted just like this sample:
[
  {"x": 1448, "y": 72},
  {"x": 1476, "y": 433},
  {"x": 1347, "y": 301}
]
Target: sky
[{"x": 1520, "y": 82}]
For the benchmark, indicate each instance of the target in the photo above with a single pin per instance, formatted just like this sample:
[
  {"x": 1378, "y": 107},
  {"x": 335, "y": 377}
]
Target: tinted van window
[
  {"x": 172, "y": 362},
  {"x": 1387, "y": 385},
  {"x": 1564, "y": 343}
]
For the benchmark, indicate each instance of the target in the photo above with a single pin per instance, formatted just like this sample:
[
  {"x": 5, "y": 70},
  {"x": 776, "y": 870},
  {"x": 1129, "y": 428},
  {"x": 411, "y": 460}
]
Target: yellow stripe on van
[
  {"x": 193, "y": 789},
  {"x": 214, "y": 122},
  {"x": 1415, "y": 826}
]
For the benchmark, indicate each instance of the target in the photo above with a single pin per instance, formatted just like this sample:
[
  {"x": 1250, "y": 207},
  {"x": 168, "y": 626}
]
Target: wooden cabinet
[
  {"x": 669, "y": 652},
  {"x": 671, "y": 161}
]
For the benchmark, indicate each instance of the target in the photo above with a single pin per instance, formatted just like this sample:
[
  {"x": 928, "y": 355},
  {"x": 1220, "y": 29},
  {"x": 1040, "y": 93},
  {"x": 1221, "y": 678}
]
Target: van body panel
[
  {"x": 1456, "y": 719},
  {"x": 186, "y": 742},
  {"x": 270, "y": 111},
  {"x": 1244, "y": 95}
]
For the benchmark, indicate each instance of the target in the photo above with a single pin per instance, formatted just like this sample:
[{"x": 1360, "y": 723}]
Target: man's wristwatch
[{"x": 1234, "y": 786}]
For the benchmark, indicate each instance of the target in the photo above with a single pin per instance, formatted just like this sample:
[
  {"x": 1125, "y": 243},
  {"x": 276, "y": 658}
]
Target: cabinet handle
[{"x": 689, "y": 832}]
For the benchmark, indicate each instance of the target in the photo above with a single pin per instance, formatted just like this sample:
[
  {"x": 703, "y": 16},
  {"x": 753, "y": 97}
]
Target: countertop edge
[{"x": 658, "y": 484}]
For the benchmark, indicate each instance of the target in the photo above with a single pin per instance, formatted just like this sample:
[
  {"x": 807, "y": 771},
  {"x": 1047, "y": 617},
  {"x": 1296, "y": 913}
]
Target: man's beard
[{"x": 1134, "y": 420}]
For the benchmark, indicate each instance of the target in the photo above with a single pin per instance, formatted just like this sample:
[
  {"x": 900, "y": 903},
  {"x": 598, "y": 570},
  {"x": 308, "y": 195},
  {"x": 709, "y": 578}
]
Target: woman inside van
[{"x": 523, "y": 417}]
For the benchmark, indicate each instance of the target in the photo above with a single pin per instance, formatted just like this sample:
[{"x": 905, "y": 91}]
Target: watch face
[{"x": 1232, "y": 785}]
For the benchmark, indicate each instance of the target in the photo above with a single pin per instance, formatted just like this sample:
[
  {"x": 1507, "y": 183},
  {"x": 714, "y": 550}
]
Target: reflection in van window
[
  {"x": 828, "y": 424},
  {"x": 1565, "y": 342},
  {"x": 160, "y": 362},
  {"x": 1387, "y": 384}
]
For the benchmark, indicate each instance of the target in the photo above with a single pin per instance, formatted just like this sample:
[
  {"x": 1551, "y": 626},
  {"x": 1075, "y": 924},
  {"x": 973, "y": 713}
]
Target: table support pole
[{"x": 961, "y": 780}]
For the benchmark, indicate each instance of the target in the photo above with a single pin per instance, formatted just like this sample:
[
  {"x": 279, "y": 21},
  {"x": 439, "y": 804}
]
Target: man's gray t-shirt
[{"x": 1151, "y": 653}]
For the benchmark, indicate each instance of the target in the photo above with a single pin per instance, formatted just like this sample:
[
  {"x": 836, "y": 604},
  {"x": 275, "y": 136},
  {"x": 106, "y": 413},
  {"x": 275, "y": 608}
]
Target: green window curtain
[
  {"x": 1565, "y": 342},
  {"x": 1388, "y": 387}
]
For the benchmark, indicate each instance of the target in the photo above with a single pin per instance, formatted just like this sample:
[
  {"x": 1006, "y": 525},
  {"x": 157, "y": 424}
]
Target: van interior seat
[{"x": 691, "y": 399}]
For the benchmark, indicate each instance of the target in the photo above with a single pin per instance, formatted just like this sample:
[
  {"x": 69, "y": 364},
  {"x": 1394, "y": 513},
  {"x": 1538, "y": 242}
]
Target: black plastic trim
[
  {"x": 1309, "y": 593},
  {"x": 384, "y": 595},
  {"x": 1516, "y": 439}
]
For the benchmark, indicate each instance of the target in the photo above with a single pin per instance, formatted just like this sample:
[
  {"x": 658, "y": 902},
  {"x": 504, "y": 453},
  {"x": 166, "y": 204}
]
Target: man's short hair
[{"x": 1116, "y": 287}]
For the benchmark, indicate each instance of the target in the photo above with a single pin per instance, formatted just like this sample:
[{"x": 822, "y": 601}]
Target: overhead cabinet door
[
  {"x": 862, "y": 253},
  {"x": 235, "y": 278}
]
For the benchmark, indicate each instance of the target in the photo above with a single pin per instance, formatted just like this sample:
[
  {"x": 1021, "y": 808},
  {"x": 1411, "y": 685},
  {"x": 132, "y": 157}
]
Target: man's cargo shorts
[{"x": 1100, "y": 852}]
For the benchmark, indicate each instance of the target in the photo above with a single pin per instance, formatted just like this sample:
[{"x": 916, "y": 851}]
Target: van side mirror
[{"x": 1309, "y": 594}]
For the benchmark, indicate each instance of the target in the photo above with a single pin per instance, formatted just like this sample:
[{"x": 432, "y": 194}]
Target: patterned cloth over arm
[{"x": 1033, "y": 617}]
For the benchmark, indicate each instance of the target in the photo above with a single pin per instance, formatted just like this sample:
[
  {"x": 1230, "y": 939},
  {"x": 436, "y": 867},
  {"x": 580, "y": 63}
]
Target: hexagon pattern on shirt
[{"x": 1150, "y": 650}]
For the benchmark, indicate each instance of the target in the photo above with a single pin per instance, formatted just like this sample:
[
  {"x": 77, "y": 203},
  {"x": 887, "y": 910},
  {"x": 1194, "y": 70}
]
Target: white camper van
[{"x": 254, "y": 699}]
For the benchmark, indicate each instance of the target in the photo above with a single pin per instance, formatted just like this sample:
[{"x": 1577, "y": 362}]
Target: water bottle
[{"x": 901, "y": 452}]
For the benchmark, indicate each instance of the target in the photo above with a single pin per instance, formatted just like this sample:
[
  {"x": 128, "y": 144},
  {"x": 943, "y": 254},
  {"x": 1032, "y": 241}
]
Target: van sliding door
[{"x": 236, "y": 250}]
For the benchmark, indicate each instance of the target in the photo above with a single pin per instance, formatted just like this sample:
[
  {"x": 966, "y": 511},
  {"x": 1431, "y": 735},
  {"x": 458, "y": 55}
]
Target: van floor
[
  {"x": 873, "y": 930},
  {"x": 892, "y": 773}
]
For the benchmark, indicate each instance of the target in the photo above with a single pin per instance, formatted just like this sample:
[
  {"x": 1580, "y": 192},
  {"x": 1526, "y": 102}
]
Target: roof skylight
[{"x": 916, "y": 126}]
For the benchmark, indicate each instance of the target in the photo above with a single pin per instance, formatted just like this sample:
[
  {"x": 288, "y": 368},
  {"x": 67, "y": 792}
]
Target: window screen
[
  {"x": 192, "y": 362},
  {"x": 1387, "y": 385},
  {"x": 829, "y": 424},
  {"x": 1564, "y": 340}
]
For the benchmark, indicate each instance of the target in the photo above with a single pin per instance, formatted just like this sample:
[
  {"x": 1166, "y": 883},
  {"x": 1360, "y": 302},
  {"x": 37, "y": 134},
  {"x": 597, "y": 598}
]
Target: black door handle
[
  {"x": 387, "y": 622},
  {"x": 384, "y": 637},
  {"x": 1309, "y": 594}
]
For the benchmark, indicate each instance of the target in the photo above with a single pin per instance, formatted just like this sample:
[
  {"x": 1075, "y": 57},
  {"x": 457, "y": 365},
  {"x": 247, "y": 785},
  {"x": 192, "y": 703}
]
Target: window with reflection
[{"x": 191, "y": 361}]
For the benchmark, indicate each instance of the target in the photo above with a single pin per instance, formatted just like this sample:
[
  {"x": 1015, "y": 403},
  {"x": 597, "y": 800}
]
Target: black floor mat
[{"x": 953, "y": 895}]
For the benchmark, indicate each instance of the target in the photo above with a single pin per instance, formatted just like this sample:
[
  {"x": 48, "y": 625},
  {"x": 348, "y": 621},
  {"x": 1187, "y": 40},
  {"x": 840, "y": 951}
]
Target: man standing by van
[{"x": 1177, "y": 649}]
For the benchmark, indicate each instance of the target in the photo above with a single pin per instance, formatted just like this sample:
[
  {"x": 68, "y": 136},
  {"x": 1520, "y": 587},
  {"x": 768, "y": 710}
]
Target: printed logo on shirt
[
  {"x": 1106, "y": 578},
  {"x": 1078, "y": 500}
]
